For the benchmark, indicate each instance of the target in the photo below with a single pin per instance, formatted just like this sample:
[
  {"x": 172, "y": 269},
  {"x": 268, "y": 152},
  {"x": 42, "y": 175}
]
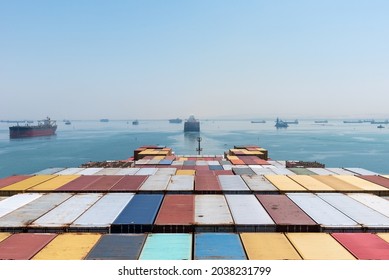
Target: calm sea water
[{"x": 335, "y": 144}]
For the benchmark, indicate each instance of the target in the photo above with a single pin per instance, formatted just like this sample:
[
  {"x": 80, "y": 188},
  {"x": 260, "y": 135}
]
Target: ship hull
[
  {"x": 192, "y": 126},
  {"x": 23, "y": 132}
]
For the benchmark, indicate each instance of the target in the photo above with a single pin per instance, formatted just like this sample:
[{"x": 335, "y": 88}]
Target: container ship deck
[{"x": 158, "y": 205}]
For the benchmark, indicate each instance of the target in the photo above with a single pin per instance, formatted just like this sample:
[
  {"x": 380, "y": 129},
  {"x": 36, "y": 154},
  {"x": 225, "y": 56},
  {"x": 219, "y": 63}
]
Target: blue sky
[{"x": 163, "y": 59}]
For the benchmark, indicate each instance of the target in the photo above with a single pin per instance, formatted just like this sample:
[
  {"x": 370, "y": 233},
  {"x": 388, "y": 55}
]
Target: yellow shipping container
[
  {"x": 336, "y": 183},
  {"x": 54, "y": 183},
  {"x": 310, "y": 183},
  {"x": 68, "y": 246},
  {"x": 284, "y": 183},
  {"x": 360, "y": 183},
  {"x": 384, "y": 236},
  {"x": 268, "y": 246},
  {"x": 185, "y": 172},
  {"x": 4, "y": 235},
  {"x": 28, "y": 183},
  {"x": 318, "y": 246}
]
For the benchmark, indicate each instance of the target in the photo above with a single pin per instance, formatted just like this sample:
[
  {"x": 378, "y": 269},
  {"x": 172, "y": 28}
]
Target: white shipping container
[
  {"x": 201, "y": 162},
  {"x": 323, "y": 213},
  {"x": 155, "y": 183},
  {"x": 282, "y": 171},
  {"x": 232, "y": 183},
  {"x": 166, "y": 171},
  {"x": 177, "y": 162},
  {"x": 213, "y": 162},
  {"x": 263, "y": 171},
  {"x": 212, "y": 210},
  {"x": 90, "y": 171},
  {"x": 49, "y": 171},
  {"x": 340, "y": 171},
  {"x": 108, "y": 171},
  {"x": 147, "y": 171},
  {"x": 69, "y": 171},
  {"x": 227, "y": 167},
  {"x": 181, "y": 183},
  {"x": 67, "y": 212},
  {"x": 28, "y": 213},
  {"x": 104, "y": 211},
  {"x": 127, "y": 171},
  {"x": 247, "y": 210},
  {"x": 142, "y": 161},
  {"x": 361, "y": 171},
  {"x": 258, "y": 183},
  {"x": 14, "y": 202},
  {"x": 377, "y": 203},
  {"x": 355, "y": 210},
  {"x": 276, "y": 163},
  {"x": 320, "y": 171}
]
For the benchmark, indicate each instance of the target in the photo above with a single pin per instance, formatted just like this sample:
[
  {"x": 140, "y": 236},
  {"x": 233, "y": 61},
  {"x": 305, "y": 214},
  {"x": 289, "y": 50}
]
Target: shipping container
[
  {"x": 62, "y": 216},
  {"x": 215, "y": 167},
  {"x": 20, "y": 218},
  {"x": 276, "y": 163},
  {"x": 69, "y": 171},
  {"x": 379, "y": 180},
  {"x": 100, "y": 216},
  {"x": 218, "y": 246},
  {"x": 362, "y": 184},
  {"x": 263, "y": 171},
  {"x": 166, "y": 171},
  {"x": 68, "y": 246},
  {"x": 206, "y": 184},
  {"x": 14, "y": 202},
  {"x": 176, "y": 214},
  {"x": 340, "y": 171},
  {"x": 127, "y": 171},
  {"x": 23, "y": 246},
  {"x": 383, "y": 236},
  {"x": 282, "y": 171},
  {"x": 328, "y": 217},
  {"x": 243, "y": 171},
  {"x": 284, "y": 184},
  {"x": 232, "y": 184},
  {"x": 129, "y": 183},
  {"x": 367, "y": 217},
  {"x": 26, "y": 184},
  {"x": 181, "y": 183},
  {"x": 301, "y": 171},
  {"x": 268, "y": 246},
  {"x": 320, "y": 171},
  {"x": 54, "y": 183},
  {"x": 139, "y": 215},
  {"x": 147, "y": 171},
  {"x": 104, "y": 184},
  {"x": 286, "y": 214},
  {"x": 186, "y": 172},
  {"x": 310, "y": 183},
  {"x": 377, "y": 203},
  {"x": 89, "y": 171},
  {"x": 12, "y": 179},
  {"x": 258, "y": 183},
  {"x": 212, "y": 214},
  {"x": 49, "y": 171},
  {"x": 364, "y": 246},
  {"x": 109, "y": 171},
  {"x": 336, "y": 183},
  {"x": 156, "y": 183},
  {"x": 166, "y": 246},
  {"x": 78, "y": 184},
  {"x": 360, "y": 171},
  {"x": 248, "y": 214},
  {"x": 4, "y": 235},
  {"x": 318, "y": 246},
  {"x": 117, "y": 247}
]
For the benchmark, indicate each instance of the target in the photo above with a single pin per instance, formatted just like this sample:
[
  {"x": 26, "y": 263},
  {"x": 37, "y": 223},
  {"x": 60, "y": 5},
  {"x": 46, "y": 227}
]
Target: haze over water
[{"x": 335, "y": 144}]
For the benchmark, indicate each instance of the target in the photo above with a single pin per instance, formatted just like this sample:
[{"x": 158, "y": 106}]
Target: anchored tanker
[
  {"x": 44, "y": 128},
  {"x": 192, "y": 125}
]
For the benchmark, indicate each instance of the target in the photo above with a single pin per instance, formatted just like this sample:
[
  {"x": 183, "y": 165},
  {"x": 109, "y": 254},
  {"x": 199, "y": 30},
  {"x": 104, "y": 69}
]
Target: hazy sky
[{"x": 162, "y": 59}]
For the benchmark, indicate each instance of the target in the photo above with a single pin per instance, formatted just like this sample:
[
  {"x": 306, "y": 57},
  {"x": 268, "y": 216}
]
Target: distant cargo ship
[
  {"x": 136, "y": 122},
  {"x": 292, "y": 122},
  {"x": 281, "y": 124},
  {"x": 379, "y": 122},
  {"x": 262, "y": 121},
  {"x": 176, "y": 120},
  {"x": 192, "y": 125},
  {"x": 104, "y": 120},
  {"x": 45, "y": 127},
  {"x": 357, "y": 121},
  {"x": 321, "y": 121}
]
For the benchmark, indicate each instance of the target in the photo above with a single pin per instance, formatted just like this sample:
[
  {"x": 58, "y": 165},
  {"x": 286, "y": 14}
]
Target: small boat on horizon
[
  {"x": 104, "y": 120},
  {"x": 136, "y": 122},
  {"x": 176, "y": 120},
  {"x": 380, "y": 126},
  {"x": 281, "y": 124}
]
